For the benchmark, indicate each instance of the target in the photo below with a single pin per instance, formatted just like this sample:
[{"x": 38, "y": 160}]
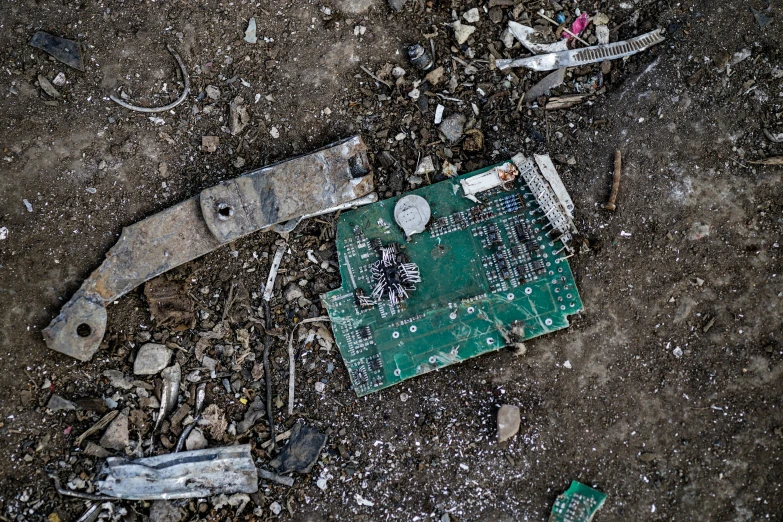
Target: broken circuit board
[
  {"x": 453, "y": 270},
  {"x": 578, "y": 504}
]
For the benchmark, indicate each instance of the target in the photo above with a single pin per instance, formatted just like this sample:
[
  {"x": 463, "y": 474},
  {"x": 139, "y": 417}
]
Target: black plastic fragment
[
  {"x": 66, "y": 51},
  {"x": 302, "y": 450}
]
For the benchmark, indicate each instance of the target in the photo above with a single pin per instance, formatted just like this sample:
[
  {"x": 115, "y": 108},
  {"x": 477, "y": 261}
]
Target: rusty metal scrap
[
  {"x": 189, "y": 474},
  {"x": 332, "y": 176}
]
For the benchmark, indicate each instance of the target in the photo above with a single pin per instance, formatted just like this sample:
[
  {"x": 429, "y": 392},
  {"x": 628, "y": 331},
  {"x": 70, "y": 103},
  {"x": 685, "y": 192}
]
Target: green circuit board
[
  {"x": 578, "y": 504},
  {"x": 473, "y": 276}
]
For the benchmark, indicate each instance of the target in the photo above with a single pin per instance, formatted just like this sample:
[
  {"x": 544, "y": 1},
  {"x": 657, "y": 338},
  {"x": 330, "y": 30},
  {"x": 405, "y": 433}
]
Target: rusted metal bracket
[{"x": 311, "y": 184}]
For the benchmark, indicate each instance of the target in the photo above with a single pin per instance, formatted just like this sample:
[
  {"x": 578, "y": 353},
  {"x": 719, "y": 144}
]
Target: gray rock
[
  {"x": 508, "y": 422},
  {"x": 397, "y": 5},
  {"x": 93, "y": 450},
  {"x": 57, "y": 403},
  {"x": 116, "y": 436},
  {"x": 255, "y": 410},
  {"x": 196, "y": 440},
  {"x": 118, "y": 380},
  {"x": 453, "y": 127},
  {"x": 213, "y": 92},
  {"x": 293, "y": 292},
  {"x": 164, "y": 511},
  {"x": 47, "y": 86},
  {"x": 151, "y": 359}
]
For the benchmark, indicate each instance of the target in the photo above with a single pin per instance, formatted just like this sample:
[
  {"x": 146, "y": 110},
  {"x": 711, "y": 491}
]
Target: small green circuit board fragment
[
  {"x": 451, "y": 271},
  {"x": 578, "y": 504}
]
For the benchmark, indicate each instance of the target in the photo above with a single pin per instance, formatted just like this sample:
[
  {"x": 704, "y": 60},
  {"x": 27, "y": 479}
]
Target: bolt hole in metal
[
  {"x": 83, "y": 330},
  {"x": 224, "y": 211}
]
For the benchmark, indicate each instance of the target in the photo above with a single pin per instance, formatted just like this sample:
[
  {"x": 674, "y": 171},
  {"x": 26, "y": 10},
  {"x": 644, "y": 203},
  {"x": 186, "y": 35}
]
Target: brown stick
[{"x": 618, "y": 167}]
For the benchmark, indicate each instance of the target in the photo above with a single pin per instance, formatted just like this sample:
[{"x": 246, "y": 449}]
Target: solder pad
[{"x": 481, "y": 276}]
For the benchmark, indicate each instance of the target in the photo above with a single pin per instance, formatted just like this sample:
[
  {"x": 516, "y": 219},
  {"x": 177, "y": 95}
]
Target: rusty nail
[{"x": 618, "y": 167}]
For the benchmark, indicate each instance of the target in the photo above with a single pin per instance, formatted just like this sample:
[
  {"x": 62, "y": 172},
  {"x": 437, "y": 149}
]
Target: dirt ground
[{"x": 672, "y": 401}]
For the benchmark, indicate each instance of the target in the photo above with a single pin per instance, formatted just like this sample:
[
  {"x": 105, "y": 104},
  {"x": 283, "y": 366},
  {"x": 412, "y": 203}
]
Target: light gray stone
[
  {"x": 151, "y": 359},
  {"x": 116, "y": 436},
  {"x": 508, "y": 422}
]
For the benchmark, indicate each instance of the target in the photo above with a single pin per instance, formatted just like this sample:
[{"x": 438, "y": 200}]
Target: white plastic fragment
[
  {"x": 59, "y": 80},
  {"x": 531, "y": 38},
  {"x": 274, "y": 132},
  {"x": 270, "y": 282},
  {"x": 363, "y": 501},
  {"x": 27, "y": 205},
  {"x": 488, "y": 180},
  {"x": 602, "y": 34},
  {"x": 471, "y": 16},
  {"x": 3, "y": 233},
  {"x": 275, "y": 508},
  {"x": 439, "y": 114},
  {"x": 250, "y": 32},
  {"x": 462, "y": 32}
]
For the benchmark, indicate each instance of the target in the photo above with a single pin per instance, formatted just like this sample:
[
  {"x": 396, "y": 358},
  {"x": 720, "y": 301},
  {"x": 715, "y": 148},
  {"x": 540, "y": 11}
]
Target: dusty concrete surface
[{"x": 671, "y": 405}]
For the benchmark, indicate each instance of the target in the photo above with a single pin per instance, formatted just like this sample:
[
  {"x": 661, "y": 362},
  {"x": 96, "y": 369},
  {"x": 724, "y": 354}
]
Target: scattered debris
[
  {"x": 566, "y": 32},
  {"x": 773, "y": 160},
  {"x": 698, "y": 231},
  {"x": 117, "y": 379},
  {"x": 574, "y": 58},
  {"x": 213, "y": 93},
  {"x": 195, "y": 439},
  {"x": 98, "y": 426},
  {"x": 171, "y": 105},
  {"x": 534, "y": 40},
  {"x": 302, "y": 450},
  {"x": 169, "y": 304},
  {"x": 579, "y": 25},
  {"x": 397, "y": 5},
  {"x": 335, "y": 175},
  {"x": 452, "y": 127},
  {"x": 425, "y": 166},
  {"x": 238, "y": 118},
  {"x": 775, "y": 138},
  {"x": 565, "y": 102},
  {"x": 47, "y": 87},
  {"x": 274, "y": 477},
  {"x": 270, "y": 281},
  {"x": 116, "y": 436},
  {"x": 618, "y": 168},
  {"x": 190, "y": 474},
  {"x": 363, "y": 501},
  {"x": 549, "y": 82},
  {"x": 419, "y": 57},
  {"x": 471, "y": 16},
  {"x": 64, "y": 50},
  {"x": 255, "y": 411},
  {"x": 578, "y": 504},
  {"x": 209, "y": 143},
  {"x": 3, "y": 233},
  {"x": 439, "y": 114},
  {"x": 494, "y": 177},
  {"x": 508, "y": 422},
  {"x": 57, "y": 403},
  {"x": 151, "y": 359},
  {"x": 170, "y": 391},
  {"x": 473, "y": 141},
  {"x": 164, "y": 511},
  {"x": 201, "y": 394},
  {"x": 762, "y": 18},
  {"x": 462, "y": 32},
  {"x": 291, "y": 360},
  {"x": 250, "y": 32}
]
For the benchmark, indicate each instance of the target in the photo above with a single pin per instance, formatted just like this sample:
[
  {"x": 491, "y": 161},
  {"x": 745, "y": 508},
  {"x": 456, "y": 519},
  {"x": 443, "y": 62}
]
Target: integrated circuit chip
[{"x": 483, "y": 273}]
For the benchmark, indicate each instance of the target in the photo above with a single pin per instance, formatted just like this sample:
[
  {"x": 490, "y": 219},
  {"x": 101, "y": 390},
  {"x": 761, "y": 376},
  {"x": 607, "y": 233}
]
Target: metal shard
[
  {"x": 577, "y": 57},
  {"x": 188, "y": 474},
  {"x": 330, "y": 177}
]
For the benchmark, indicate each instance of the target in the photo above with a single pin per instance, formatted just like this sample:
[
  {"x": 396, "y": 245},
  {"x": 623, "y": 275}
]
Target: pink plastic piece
[{"x": 579, "y": 25}]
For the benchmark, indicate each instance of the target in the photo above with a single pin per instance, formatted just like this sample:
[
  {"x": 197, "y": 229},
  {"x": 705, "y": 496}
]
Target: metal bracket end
[{"x": 78, "y": 329}]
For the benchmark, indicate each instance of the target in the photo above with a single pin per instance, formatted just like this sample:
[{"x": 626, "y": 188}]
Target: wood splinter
[{"x": 618, "y": 167}]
